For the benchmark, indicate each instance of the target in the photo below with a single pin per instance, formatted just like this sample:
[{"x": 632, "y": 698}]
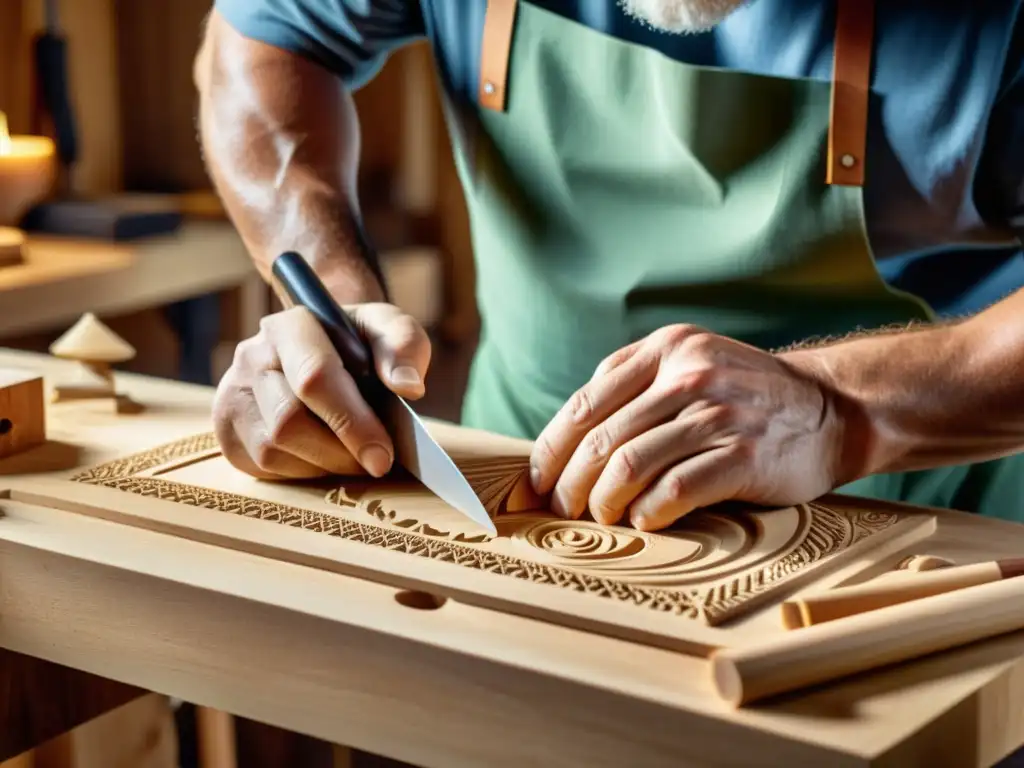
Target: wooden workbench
[{"x": 347, "y": 660}]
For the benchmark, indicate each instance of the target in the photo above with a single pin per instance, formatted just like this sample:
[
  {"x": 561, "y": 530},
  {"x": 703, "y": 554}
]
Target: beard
[{"x": 681, "y": 16}]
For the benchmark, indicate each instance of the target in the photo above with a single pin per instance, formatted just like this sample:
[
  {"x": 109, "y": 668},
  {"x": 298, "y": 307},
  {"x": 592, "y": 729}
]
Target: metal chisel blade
[{"x": 418, "y": 452}]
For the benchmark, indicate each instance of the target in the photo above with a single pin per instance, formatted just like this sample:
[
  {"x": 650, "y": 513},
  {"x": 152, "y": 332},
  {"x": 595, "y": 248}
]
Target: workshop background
[
  {"x": 180, "y": 289},
  {"x": 150, "y": 252}
]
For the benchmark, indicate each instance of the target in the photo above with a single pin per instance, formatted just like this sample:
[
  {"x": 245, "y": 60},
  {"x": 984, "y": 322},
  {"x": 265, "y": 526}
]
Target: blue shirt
[{"x": 946, "y": 126}]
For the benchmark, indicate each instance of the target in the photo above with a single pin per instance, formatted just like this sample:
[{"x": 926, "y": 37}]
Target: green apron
[{"x": 615, "y": 191}]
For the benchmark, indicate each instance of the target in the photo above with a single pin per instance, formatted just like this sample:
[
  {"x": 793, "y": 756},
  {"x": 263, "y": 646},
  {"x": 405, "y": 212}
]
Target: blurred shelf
[{"x": 63, "y": 277}]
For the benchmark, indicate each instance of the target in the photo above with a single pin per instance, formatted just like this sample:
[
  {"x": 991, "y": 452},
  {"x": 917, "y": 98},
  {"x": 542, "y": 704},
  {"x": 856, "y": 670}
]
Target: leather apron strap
[
  {"x": 497, "y": 43},
  {"x": 851, "y": 86},
  {"x": 851, "y": 80}
]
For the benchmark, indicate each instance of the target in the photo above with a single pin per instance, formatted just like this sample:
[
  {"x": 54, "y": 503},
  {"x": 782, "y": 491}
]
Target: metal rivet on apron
[
  {"x": 488, "y": 88},
  {"x": 848, "y": 161}
]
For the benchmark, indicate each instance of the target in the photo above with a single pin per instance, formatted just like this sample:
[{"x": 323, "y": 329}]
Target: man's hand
[
  {"x": 685, "y": 419},
  {"x": 287, "y": 408}
]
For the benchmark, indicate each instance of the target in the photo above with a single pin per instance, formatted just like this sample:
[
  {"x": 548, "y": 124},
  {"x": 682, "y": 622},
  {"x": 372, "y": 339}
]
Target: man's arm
[
  {"x": 685, "y": 418},
  {"x": 946, "y": 394},
  {"x": 279, "y": 132},
  {"x": 281, "y": 140}
]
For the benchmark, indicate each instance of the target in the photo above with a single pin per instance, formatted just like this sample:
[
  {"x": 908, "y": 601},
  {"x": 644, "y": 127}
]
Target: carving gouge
[{"x": 415, "y": 449}]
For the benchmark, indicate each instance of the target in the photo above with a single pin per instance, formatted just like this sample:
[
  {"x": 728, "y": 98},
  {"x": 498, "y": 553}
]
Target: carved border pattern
[{"x": 830, "y": 532}]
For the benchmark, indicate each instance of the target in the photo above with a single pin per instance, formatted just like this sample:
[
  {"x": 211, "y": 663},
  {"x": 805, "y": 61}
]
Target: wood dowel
[
  {"x": 892, "y": 589},
  {"x": 835, "y": 649},
  {"x": 925, "y": 563}
]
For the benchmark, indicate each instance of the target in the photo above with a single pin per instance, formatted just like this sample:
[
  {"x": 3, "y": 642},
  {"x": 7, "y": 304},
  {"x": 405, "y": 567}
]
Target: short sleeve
[{"x": 351, "y": 38}]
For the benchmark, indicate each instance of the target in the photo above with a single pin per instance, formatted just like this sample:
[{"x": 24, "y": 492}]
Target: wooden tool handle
[
  {"x": 835, "y": 649},
  {"x": 894, "y": 588}
]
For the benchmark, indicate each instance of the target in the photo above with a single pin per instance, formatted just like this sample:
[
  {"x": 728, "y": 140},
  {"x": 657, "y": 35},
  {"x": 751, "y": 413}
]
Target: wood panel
[
  {"x": 157, "y": 43},
  {"x": 14, "y": 66},
  {"x": 680, "y": 589}
]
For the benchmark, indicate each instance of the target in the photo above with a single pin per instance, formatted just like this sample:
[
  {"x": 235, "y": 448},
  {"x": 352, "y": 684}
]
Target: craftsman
[{"x": 698, "y": 280}]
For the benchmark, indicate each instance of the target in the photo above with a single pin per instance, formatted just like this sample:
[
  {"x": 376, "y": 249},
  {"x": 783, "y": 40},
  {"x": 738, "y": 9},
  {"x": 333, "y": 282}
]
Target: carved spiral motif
[
  {"x": 578, "y": 541},
  {"x": 868, "y": 520},
  {"x": 873, "y": 517}
]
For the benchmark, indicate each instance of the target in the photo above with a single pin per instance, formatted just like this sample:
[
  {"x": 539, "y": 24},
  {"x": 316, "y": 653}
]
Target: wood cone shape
[{"x": 89, "y": 340}]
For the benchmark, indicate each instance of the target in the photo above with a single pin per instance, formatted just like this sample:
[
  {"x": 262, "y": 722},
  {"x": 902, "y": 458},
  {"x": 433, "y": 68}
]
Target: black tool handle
[
  {"x": 298, "y": 280},
  {"x": 51, "y": 54}
]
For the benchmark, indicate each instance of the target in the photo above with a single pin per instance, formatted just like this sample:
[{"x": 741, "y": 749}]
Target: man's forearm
[
  {"x": 932, "y": 396},
  {"x": 281, "y": 142}
]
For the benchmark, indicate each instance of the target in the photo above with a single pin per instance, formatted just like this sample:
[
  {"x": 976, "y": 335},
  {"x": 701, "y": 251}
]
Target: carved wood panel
[{"x": 676, "y": 588}]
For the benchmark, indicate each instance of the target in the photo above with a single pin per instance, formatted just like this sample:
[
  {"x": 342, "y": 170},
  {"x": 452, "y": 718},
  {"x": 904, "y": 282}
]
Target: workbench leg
[
  {"x": 24, "y": 760},
  {"x": 215, "y": 732},
  {"x": 216, "y": 737},
  {"x": 341, "y": 756},
  {"x": 56, "y": 753},
  {"x": 40, "y": 701},
  {"x": 139, "y": 734}
]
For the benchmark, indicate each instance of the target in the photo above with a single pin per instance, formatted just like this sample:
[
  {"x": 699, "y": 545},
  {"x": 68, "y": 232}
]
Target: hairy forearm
[
  {"x": 281, "y": 141},
  {"x": 929, "y": 396}
]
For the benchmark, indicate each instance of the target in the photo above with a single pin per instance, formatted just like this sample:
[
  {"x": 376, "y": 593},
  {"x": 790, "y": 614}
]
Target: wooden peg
[
  {"x": 867, "y": 641},
  {"x": 899, "y": 587}
]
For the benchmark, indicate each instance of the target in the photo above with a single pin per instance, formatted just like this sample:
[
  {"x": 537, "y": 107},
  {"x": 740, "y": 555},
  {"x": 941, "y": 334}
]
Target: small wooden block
[
  {"x": 22, "y": 411},
  {"x": 11, "y": 243},
  {"x": 123, "y": 404},
  {"x": 64, "y": 392}
]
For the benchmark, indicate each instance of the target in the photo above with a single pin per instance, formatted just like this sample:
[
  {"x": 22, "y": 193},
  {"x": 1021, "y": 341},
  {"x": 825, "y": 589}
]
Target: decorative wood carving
[
  {"x": 713, "y": 566},
  {"x": 95, "y": 348}
]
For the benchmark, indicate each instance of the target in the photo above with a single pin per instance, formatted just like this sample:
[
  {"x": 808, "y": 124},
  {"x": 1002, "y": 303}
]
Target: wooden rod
[
  {"x": 925, "y": 563},
  {"x": 893, "y": 589},
  {"x": 835, "y": 649}
]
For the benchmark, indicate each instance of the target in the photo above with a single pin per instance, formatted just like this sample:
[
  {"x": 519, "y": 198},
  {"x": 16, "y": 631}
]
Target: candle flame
[{"x": 5, "y": 136}]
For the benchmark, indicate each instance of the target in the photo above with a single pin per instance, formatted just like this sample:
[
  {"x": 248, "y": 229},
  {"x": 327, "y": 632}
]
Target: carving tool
[
  {"x": 836, "y": 649},
  {"x": 894, "y": 588},
  {"x": 415, "y": 449}
]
